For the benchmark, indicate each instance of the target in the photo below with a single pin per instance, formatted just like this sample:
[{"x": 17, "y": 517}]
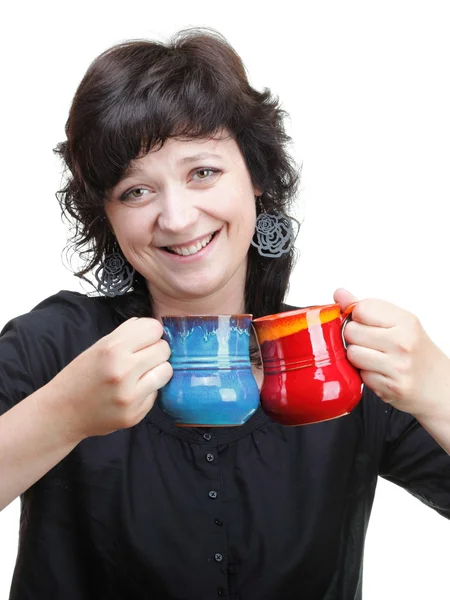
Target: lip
[
  {"x": 192, "y": 257},
  {"x": 191, "y": 242}
]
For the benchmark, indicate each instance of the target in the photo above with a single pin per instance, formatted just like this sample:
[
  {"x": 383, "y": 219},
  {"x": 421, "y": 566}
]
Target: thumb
[{"x": 344, "y": 298}]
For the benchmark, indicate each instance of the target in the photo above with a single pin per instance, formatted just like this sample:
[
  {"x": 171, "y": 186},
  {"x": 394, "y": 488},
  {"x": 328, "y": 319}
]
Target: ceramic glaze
[
  {"x": 212, "y": 383},
  {"x": 307, "y": 377}
]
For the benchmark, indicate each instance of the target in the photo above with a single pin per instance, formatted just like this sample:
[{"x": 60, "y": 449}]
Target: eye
[
  {"x": 205, "y": 173},
  {"x": 134, "y": 194}
]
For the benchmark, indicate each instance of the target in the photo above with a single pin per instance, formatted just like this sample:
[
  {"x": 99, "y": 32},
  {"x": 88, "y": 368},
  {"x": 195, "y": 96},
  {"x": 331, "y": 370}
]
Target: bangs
[{"x": 187, "y": 104}]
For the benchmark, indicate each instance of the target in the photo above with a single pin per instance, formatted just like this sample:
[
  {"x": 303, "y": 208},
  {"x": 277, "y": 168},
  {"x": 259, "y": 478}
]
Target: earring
[
  {"x": 114, "y": 275},
  {"x": 274, "y": 235}
]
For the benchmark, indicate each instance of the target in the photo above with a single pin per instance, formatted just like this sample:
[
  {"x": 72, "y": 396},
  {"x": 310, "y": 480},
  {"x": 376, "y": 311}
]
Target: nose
[{"x": 176, "y": 213}]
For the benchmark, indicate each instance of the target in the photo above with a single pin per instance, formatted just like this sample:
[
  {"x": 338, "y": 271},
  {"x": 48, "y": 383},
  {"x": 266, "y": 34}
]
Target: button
[
  {"x": 210, "y": 457},
  {"x": 218, "y": 522},
  {"x": 221, "y": 591},
  {"x": 218, "y": 557},
  {"x": 207, "y": 436},
  {"x": 212, "y": 494}
]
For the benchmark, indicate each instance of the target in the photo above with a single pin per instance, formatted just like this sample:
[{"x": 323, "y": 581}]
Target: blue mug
[{"x": 212, "y": 383}]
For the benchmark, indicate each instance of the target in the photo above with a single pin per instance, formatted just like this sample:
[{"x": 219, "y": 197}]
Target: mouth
[{"x": 191, "y": 248}]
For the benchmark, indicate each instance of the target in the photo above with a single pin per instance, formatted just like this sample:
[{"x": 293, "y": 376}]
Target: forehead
[{"x": 182, "y": 151}]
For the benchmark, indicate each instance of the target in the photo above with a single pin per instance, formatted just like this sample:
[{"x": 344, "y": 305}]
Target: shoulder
[
  {"x": 44, "y": 340},
  {"x": 70, "y": 310},
  {"x": 76, "y": 308}
]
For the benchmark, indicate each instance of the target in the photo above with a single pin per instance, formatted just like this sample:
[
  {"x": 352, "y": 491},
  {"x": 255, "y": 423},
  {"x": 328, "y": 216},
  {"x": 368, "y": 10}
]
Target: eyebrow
[
  {"x": 136, "y": 169},
  {"x": 196, "y": 157}
]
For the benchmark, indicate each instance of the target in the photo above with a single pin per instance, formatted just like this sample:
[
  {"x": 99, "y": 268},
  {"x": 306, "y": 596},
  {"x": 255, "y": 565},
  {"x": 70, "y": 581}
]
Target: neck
[{"x": 227, "y": 301}]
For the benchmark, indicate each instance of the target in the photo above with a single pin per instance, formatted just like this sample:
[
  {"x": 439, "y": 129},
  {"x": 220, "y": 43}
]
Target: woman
[{"x": 172, "y": 157}]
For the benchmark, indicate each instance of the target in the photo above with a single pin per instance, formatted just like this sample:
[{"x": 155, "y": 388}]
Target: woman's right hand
[{"x": 114, "y": 383}]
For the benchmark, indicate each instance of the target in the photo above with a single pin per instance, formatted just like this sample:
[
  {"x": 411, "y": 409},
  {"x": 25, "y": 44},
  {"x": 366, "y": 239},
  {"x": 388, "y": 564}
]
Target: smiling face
[{"x": 184, "y": 216}]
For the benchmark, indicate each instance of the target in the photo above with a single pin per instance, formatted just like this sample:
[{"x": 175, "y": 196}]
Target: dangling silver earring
[
  {"x": 114, "y": 275},
  {"x": 274, "y": 235}
]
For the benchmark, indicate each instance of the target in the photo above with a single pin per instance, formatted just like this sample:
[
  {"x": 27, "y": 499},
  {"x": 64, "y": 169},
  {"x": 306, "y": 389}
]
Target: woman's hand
[
  {"x": 113, "y": 384},
  {"x": 397, "y": 359}
]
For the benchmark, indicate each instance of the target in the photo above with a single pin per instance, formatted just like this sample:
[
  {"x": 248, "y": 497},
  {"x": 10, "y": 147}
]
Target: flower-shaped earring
[
  {"x": 274, "y": 235},
  {"x": 114, "y": 275}
]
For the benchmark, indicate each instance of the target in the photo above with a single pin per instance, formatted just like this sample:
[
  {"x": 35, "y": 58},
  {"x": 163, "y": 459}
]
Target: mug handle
[{"x": 346, "y": 316}]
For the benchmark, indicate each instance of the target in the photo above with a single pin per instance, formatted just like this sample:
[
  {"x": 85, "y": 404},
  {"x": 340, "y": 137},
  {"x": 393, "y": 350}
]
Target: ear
[{"x": 257, "y": 191}]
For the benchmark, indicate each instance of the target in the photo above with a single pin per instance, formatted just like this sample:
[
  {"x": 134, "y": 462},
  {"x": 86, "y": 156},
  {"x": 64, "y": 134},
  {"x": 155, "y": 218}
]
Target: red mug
[{"x": 307, "y": 376}]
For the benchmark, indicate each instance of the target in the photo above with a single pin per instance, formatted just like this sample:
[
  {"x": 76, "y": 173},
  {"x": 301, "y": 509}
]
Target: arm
[
  {"x": 400, "y": 363},
  {"x": 405, "y": 453},
  {"x": 439, "y": 429},
  {"x": 111, "y": 385},
  {"x": 412, "y": 459},
  {"x": 32, "y": 441},
  {"x": 436, "y": 418}
]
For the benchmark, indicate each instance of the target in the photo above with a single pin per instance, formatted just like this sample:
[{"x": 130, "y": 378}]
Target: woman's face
[{"x": 184, "y": 216}]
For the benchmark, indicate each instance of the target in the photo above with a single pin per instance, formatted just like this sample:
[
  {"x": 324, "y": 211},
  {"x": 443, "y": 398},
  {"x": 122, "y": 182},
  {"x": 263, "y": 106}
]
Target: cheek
[
  {"x": 248, "y": 218},
  {"x": 130, "y": 228},
  {"x": 241, "y": 210},
  {"x": 244, "y": 230}
]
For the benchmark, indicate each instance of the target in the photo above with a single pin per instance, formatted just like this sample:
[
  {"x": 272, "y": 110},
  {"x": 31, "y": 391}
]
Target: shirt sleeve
[
  {"x": 34, "y": 347},
  {"x": 412, "y": 459},
  {"x": 16, "y": 382}
]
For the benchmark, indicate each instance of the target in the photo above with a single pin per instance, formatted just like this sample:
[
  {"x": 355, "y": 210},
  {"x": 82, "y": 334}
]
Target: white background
[{"x": 367, "y": 88}]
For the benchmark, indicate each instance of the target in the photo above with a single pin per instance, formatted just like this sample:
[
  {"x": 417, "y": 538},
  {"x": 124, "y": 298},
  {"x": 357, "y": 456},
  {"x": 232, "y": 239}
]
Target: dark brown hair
[{"x": 134, "y": 97}]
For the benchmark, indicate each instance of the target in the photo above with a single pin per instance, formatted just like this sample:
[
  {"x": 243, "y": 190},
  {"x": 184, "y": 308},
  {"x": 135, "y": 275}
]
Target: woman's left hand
[{"x": 396, "y": 357}]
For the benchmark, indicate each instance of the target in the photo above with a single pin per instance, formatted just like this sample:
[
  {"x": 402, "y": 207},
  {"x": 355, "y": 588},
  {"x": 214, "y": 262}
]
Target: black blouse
[{"x": 258, "y": 512}]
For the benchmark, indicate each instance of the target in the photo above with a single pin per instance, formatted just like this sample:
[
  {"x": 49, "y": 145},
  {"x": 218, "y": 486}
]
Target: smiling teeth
[{"x": 187, "y": 250}]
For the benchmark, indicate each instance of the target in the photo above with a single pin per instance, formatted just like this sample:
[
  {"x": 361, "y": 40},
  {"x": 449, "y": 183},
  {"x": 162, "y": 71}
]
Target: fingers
[
  {"x": 150, "y": 357},
  {"x": 368, "y": 359},
  {"x": 377, "y": 338},
  {"x": 344, "y": 298},
  {"x": 370, "y": 348},
  {"x": 377, "y": 313},
  {"x": 377, "y": 382},
  {"x": 154, "y": 379},
  {"x": 136, "y": 334}
]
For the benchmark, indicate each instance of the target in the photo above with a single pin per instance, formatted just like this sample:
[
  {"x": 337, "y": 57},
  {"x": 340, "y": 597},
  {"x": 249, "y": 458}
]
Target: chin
[
  {"x": 198, "y": 290},
  {"x": 196, "y": 294}
]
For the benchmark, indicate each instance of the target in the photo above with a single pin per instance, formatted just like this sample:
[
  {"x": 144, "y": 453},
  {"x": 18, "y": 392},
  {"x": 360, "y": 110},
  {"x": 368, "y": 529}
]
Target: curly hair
[{"x": 135, "y": 96}]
